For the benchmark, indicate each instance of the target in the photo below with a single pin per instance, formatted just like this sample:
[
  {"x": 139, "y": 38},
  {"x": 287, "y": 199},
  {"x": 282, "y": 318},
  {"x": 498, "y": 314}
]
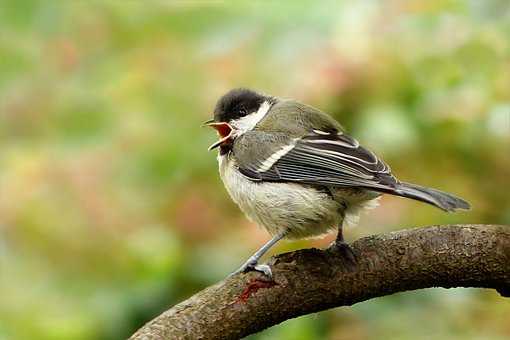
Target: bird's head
[{"x": 237, "y": 112}]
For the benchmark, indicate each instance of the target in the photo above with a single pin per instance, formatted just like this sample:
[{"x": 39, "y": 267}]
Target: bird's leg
[
  {"x": 343, "y": 247},
  {"x": 252, "y": 263},
  {"x": 340, "y": 235}
]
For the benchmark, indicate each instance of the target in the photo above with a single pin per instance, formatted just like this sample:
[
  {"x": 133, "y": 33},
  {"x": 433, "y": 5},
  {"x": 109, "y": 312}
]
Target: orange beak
[{"x": 224, "y": 131}]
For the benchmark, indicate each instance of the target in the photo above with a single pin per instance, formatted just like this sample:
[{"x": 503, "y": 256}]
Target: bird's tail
[{"x": 440, "y": 199}]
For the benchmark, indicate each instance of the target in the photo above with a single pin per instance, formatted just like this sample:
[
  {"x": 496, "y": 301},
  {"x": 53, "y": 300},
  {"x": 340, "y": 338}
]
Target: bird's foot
[
  {"x": 252, "y": 265},
  {"x": 345, "y": 251}
]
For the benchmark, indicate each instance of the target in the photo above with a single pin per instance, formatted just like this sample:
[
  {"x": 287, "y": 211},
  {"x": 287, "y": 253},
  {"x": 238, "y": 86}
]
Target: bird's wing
[{"x": 319, "y": 157}]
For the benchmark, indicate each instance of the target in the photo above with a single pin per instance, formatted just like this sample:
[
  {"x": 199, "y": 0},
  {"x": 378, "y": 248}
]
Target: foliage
[{"x": 111, "y": 209}]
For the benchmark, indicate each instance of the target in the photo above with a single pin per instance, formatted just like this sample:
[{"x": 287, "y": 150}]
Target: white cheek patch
[{"x": 249, "y": 121}]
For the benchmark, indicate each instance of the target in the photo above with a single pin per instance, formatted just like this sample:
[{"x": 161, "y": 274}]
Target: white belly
[{"x": 302, "y": 210}]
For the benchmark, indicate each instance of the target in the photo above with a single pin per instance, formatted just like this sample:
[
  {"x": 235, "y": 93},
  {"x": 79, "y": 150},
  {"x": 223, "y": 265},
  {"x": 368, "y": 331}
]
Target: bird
[{"x": 293, "y": 170}]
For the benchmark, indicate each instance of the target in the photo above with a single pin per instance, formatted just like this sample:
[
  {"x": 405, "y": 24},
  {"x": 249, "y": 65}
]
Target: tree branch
[{"x": 312, "y": 280}]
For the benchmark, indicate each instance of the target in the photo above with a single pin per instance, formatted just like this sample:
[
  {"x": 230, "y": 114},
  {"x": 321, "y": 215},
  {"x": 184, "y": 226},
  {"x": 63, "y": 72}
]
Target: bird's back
[{"x": 286, "y": 116}]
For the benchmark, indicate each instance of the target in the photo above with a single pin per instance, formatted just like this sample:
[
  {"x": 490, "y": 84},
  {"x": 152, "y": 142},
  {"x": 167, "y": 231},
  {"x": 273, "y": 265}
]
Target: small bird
[{"x": 293, "y": 170}]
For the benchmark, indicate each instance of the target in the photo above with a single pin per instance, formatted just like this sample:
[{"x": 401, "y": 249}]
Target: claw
[
  {"x": 254, "y": 266},
  {"x": 252, "y": 263},
  {"x": 346, "y": 251},
  {"x": 264, "y": 269}
]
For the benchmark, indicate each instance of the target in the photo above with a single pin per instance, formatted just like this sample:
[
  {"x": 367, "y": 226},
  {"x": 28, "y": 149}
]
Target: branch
[{"x": 312, "y": 280}]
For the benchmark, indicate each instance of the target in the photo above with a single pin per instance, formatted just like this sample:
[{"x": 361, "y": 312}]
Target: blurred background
[{"x": 111, "y": 208}]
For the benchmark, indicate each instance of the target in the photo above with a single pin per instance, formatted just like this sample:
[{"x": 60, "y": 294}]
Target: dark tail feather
[{"x": 440, "y": 199}]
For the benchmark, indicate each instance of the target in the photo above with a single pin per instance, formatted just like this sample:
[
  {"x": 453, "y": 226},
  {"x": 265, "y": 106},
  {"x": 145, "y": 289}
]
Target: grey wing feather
[
  {"x": 330, "y": 159},
  {"x": 319, "y": 158}
]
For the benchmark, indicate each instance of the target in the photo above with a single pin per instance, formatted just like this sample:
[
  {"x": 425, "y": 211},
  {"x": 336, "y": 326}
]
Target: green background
[{"x": 111, "y": 208}]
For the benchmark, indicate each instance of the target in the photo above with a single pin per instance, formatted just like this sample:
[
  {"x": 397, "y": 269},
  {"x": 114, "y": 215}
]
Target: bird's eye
[{"x": 242, "y": 111}]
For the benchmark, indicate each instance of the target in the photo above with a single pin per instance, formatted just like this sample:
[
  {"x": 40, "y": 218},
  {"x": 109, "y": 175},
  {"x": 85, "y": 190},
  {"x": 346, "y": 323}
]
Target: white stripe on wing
[
  {"x": 334, "y": 142},
  {"x": 271, "y": 160}
]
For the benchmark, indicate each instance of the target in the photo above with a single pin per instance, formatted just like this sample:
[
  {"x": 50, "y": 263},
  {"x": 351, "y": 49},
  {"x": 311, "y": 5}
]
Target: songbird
[{"x": 293, "y": 170}]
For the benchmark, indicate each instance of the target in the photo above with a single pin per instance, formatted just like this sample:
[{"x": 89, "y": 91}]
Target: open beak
[
  {"x": 224, "y": 131},
  {"x": 207, "y": 122}
]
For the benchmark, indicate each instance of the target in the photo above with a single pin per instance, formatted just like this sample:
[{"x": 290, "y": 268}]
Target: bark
[{"x": 312, "y": 280}]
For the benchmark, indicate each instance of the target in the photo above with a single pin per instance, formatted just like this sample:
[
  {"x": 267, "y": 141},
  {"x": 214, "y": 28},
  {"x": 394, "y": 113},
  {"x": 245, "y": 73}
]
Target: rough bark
[{"x": 312, "y": 280}]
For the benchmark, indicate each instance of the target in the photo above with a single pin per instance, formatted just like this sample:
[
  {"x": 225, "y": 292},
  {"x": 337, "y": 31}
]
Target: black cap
[{"x": 237, "y": 103}]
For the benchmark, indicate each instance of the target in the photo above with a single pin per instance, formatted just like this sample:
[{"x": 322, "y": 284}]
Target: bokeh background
[{"x": 111, "y": 208}]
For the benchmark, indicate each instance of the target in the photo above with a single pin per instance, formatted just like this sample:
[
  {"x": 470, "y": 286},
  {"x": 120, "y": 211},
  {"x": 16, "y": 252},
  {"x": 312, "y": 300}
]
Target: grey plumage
[{"x": 322, "y": 154}]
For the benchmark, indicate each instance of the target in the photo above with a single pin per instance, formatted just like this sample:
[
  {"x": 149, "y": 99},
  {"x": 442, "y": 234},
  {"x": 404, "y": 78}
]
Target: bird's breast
[{"x": 304, "y": 210}]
